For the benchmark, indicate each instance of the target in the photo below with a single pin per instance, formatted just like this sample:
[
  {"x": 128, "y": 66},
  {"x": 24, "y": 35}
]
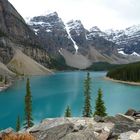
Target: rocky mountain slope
[
  {"x": 44, "y": 38},
  {"x": 94, "y": 45},
  {"x": 22, "y": 64},
  {"x": 15, "y": 33},
  {"x": 128, "y": 39}
]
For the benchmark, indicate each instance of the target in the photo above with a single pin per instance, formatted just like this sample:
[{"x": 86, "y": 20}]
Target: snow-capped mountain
[
  {"x": 51, "y": 31},
  {"x": 128, "y": 39},
  {"x": 96, "y": 32},
  {"x": 95, "y": 44}
]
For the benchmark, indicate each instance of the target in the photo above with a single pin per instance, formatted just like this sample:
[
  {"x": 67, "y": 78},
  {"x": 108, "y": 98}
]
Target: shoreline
[
  {"x": 2, "y": 88},
  {"x": 123, "y": 82}
]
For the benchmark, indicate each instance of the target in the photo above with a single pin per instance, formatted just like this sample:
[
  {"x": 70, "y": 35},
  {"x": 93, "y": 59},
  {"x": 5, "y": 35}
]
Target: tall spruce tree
[
  {"x": 18, "y": 124},
  {"x": 28, "y": 106},
  {"x": 100, "y": 108},
  {"x": 68, "y": 112},
  {"x": 87, "y": 112}
]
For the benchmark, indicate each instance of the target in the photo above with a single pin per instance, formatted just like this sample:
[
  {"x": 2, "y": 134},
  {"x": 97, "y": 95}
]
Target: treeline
[
  {"x": 102, "y": 66},
  {"x": 129, "y": 72},
  {"x": 58, "y": 63},
  {"x": 3, "y": 79}
]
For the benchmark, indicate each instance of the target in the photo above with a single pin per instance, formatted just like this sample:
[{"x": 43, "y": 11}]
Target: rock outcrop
[
  {"x": 15, "y": 33},
  {"x": 119, "y": 127}
]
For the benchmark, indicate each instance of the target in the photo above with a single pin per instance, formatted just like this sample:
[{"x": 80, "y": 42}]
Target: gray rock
[
  {"x": 130, "y": 112},
  {"x": 81, "y": 135},
  {"x": 122, "y": 127},
  {"x": 7, "y": 131},
  {"x": 124, "y": 118},
  {"x": 126, "y": 135},
  {"x": 110, "y": 119},
  {"x": 54, "y": 133},
  {"x": 98, "y": 118}
]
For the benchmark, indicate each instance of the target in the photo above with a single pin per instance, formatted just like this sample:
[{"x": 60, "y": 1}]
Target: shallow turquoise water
[{"x": 51, "y": 94}]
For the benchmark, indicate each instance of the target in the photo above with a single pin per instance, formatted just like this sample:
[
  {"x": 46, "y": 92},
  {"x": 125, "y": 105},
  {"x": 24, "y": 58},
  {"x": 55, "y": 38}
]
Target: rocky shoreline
[
  {"x": 124, "y": 82},
  {"x": 4, "y": 87},
  {"x": 119, "y": 127}
]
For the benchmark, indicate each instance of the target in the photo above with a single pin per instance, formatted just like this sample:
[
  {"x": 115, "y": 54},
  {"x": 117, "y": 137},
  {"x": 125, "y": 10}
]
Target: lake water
[{"x": 51, "y": 94}]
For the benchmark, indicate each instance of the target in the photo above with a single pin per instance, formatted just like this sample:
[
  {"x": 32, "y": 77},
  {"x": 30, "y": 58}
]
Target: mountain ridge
[{"x": 73, "y": 36}]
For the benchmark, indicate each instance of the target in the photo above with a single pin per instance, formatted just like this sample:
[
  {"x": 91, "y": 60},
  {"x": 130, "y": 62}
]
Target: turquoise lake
[{"x": 51, "y": 94}]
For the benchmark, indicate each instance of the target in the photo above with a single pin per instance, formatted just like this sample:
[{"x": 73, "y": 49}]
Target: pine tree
[
  {"x": 100, "y": 109},
  {"x": 28, "y": 106},
  {"x": 1, "y": 78},
  {"x": 87, "y": 112},
  {"x": 6, "y": 80},
  {"x": 68, "y": 112},
  {"x": 18, "y": 124}
]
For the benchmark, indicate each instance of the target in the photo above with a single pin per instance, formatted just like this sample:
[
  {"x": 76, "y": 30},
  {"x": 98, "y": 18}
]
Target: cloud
[{"x": 103, "y": 13}]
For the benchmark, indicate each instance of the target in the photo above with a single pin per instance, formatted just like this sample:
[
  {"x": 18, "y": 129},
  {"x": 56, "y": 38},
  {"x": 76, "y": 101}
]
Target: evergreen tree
[
  {"x": 6, "y": 80},
  {"x": 87, "y": 112},
  {"x": 18, "y": 124},
  {"x": 1, "y": 78},
  {"x": 100, "y": 109},
  {"x": 28, "y": 106},
  {"x": 68, "y": 112}
]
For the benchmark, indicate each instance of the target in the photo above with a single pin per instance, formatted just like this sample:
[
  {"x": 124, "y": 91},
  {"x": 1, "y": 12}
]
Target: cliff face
[
  {"x": 15, "y": 34},
  {"x": 51, "y": 31},
  {"x": 13, "y": 26}
]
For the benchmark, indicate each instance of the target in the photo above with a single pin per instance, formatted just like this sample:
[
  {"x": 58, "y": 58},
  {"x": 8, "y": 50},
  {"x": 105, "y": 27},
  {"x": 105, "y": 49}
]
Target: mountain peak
[
  {"x": 75, "y": 24},
  {"x": 95, "y": 29},
  {"x": 52, "y": 14},
  {"x": 47, "y": 18}
]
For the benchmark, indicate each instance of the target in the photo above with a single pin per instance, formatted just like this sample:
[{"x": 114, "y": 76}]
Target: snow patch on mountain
[
  {"x": 69, "y": 36},
  {"x": 96, "y": 32},
  {"x": 122, "y": 52},
  {"x": 135, "y": 54}
]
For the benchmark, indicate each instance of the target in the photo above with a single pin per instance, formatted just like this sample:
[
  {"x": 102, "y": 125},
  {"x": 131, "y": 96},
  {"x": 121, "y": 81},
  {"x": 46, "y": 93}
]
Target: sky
[{"x": 106, "y": 14}]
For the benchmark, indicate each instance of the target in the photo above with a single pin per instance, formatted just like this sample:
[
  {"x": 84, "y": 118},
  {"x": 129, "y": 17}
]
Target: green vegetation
[
  {"x": 4, "y": 79},
  {"x": 18, "y": 124},
  {"x": 102, "y": 66},
  {"x": 28, "y": 106},
  {"x": 58, "y": 63},
  {"x": 87, "y": 112},
  {"x": 1, "y": 78},
  {"x": 129, "y": 72},
  {"x": 2, "y": 34},
  {"x": 100, "y": 109},
  {"x": 68, "y": 112}
]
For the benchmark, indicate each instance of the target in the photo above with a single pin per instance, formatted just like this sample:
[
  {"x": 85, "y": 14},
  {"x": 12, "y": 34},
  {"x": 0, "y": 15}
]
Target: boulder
[
  {"x": 110, "y": 119},
  {"x": 130, "y": 135},
  {"x": 98, "y": 118},
  {"x": 130, "y": 112},
  {"x": 7, "y": 131},
  {"x": 124, "y": 118},
  {"x": 126, "y": 135},
  {"x": 122, "y": 127},
  {"x": 104, "y": 130},
  {"x": 135, "y": 136},
  {"x": 54, "y": 133},
  {"x": 81, "y": 135}
]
